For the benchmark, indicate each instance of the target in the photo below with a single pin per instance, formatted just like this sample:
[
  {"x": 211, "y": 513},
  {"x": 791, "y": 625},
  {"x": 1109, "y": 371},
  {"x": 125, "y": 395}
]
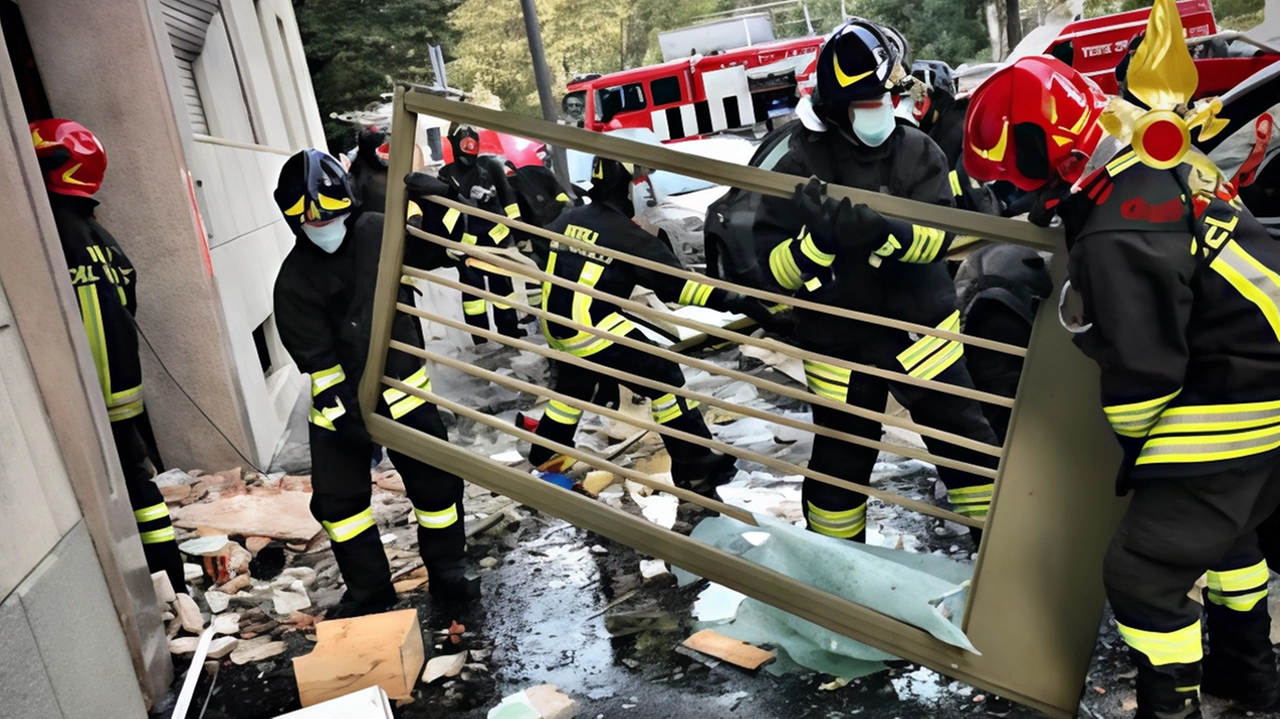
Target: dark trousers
[
  {"x": 560, "y": 422},
  {"x": 1175, "y": 530},
  {"x": 842, "y": 513},
  {"x": 341, "y": 501},
  {"x": 475, "y": 309},
  {"x": 149, "y": 509}
]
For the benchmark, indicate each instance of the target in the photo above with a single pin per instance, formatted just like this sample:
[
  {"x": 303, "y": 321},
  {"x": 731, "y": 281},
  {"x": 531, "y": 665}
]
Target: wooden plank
[
  {"x": 734, "y": 651},
  {"x": 383, "y": 650}
]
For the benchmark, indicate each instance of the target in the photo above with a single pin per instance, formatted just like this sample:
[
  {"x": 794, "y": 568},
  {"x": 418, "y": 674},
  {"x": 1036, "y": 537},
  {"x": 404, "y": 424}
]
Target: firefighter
[
  {"x": 481, "y": 181},
  {"x": 851, "y": 257},
  {"x": 369, "y": 167},
  {"x": 323, "y": 308},
  {"x": 999, "y": 288},
  {"x": 73, "y": 163},
  {"x": 1173, "y": 291},
  {"x": 608, "y": 222}
]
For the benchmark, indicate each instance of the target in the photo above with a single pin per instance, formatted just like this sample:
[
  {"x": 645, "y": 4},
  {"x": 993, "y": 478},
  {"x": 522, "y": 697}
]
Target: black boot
[
  {"x": 1167, "y": 692},
  {"x": 449, "y": 581},
  {"x": 704, "y": 474},
  {"x": 362, "y": 603}
]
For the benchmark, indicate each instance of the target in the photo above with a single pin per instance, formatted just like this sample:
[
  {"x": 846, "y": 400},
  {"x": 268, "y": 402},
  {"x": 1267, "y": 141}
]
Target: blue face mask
[
  {"x": 873, "y": 125},
  {"x": 327, "y": 237}
]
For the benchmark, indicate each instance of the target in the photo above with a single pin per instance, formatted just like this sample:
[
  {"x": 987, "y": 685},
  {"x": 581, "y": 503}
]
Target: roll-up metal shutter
[{"x": 188, "y": 22}]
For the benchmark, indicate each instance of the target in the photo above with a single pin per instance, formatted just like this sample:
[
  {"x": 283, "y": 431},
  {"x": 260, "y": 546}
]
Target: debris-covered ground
[{"x": 561, "y": 606}]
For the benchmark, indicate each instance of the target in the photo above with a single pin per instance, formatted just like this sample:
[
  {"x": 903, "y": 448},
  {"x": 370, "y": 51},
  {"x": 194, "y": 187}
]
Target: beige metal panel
[
  {"x": 256, "y": 75},
  {"x": 224, "y": 99},
  {"x": 119, "y": 90}
]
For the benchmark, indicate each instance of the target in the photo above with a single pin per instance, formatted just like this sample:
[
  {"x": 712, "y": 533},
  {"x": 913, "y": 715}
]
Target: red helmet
[
  {"x": 83, "y": 161},
  {"x": 1026, "y": 122}
]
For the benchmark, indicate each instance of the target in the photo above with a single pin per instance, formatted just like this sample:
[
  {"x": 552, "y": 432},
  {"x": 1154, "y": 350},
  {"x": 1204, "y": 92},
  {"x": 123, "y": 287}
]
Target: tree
[
  {"x": 356, "y": 48},
  {"x": 953, "y": 31}
]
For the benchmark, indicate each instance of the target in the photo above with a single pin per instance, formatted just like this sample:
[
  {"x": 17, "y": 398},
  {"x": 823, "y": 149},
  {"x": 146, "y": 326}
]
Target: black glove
[
  {"x": 759, "y": 311},
  {"x": 839, "y": 226},
  {"x": 810, "y": 202},
  {"x": 420, "y": 185},
  {"x": 349, "y": 424}
]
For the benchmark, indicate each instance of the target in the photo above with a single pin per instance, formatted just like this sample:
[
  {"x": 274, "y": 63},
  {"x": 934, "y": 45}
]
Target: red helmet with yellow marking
[
  {"x": 314, "y": 187},
  {"x": 1031, "y": 121},
  {"x": 71, "y": 158}
]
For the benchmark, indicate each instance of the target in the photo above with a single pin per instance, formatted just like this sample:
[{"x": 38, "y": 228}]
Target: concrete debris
[
  {"x": 652, "y": 568},
  {"x": 621, "y": 623},
  {"x": 217, "y": 601},
  {"x": 256, "y": 544},
  {"x": 597, "y": 549},
  {"x": 226, "y": 623},
  {"x": 448, "y": 665},
  {"x": 204, "y": 546},
  {"x": 163, "y": 587},
  {"x": 370, "y": 703},
  {"x": 236, "y": 584},
  {"x": 284, "y": 515},
  {"x": 717, "y": 604},
  {"x": 183, "y": 645},
  {"x": 306, "y": 575},
  {"x": 510, "y": 456},
  {"x": 597, "y": 480},
  {"x": 192, "y": 572},
  {"x": 383, "y": 650},
  {"x": 390, "y": 481},
  {"x": 544, "y": 701},
  {"x": 189, "y": 614},
  {"x": 222, "y": 647},
  {"x": 661, "y": 509},
  {"x": 488, "y": 562},
  {"x": 257, "y": 649},
  {"x": 290, "y": 598}
]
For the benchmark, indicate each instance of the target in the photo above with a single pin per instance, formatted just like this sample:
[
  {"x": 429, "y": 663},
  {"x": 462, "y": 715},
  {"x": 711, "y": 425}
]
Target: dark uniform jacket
[
  {"x": 1180, "y": 295},
  {"x": 916, "y": 288},
  {"x": 106, "y": 290},
  {"x": 488, "y": 174},
  {"x": 324, "y": 303},
  {"x": 600, "y": 225}
]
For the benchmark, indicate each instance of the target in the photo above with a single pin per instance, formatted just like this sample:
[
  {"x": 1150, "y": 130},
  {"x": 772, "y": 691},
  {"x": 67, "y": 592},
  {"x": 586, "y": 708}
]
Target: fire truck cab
[{"x": 700, "y": 94}]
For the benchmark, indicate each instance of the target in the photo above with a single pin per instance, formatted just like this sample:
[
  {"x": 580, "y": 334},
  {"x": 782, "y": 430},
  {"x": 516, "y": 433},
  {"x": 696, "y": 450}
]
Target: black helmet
[
  {"x": 371, "y": 144},
  {"x": 936, "y": 75},
  {"x": 609, "y": 178},
  {"x": 856, "y": 63},
  {"x": 465, "y": 142},
  {"x": 313, "y": 187}
]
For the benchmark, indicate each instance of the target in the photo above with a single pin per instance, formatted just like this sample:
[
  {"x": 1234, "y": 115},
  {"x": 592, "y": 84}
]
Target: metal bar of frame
[
  {"x": 732, "y": 287},
  {"x": 1036, "y": 599},
  {"x": 771, "y": 345}
]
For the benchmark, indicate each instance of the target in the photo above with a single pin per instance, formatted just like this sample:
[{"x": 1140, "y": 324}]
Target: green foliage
[
  {"x": 953, "y": 31},
  {"x": 579, "y": 36},
  {"x": 355, "y": 48}
]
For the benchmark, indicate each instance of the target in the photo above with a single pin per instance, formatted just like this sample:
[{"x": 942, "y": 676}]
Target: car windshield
[{"x": 726, "y": 149}]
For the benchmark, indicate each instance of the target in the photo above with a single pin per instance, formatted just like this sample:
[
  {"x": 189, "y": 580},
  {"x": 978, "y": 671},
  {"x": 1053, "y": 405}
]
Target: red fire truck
[{"x": 701, "y": 94}]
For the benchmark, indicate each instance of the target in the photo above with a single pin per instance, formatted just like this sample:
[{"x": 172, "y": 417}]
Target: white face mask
[
  {"x": 327, "y": 237},
  {"x": 873, "y": 125}
]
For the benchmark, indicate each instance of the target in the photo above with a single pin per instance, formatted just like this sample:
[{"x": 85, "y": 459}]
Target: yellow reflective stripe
[
  {"x": 1217, "y": 418},
  {"x": 405, "y": 406},
  {"x": 925, "y": 346},
  {"x": 473, "y": 307},
  {"x": 1209, "y": 448},
  {"x": 91, "y": 314},
  {"x": 695, "y": 293},
  {"x": 956, "y": 190},
  {"x": 414, "y": 210},
  {"x": 667, "y": 407},
  {"x": 827, "y": 372},
  {"x": 451, "y": 219},
  {"x": 468, "y": 238},
  {"x": 1252, "y": 279},
  {"x": 1238, "y": 580},
  {"x": 1137, "y": 418},
  {"x": 502, "y": 305},
  {"x": 939, "y": 362},
  {"x": 324, "y": 417},
  {"x": 125, "y": 411},
  {"x": 156, "y": 536},
  {"x": 1122, "y": 163},
  {"x": 842, "y": 524},
  {"x": 827, "y": 381},
  {"x": 418, "y": 379},
  {"x": 326, "y": 378},
  {"x": 320, "y": 420},
  {"x": 1239, "y": 602},
  {"x": 972, "y": 501},
  {"x": 784, "y": 268},
  {"x": 499, "y": 232},
  {"x": 437, "y": 520},
  {"x": 1177, "y": 647},
  {"x": 591, "y": 272},
  {"x": 584, "y": 344},
  {"x": 345, "y": 529},
  {"x": 125, "y": 397},
  {"x": 889, "y": 246},
  {"x": 810, "y": 250},
  {"x": 562, "y": 413},
  {"x": 150, "y": 514},
  {"x": 925, "y": 244},
  {"x": 562, "y": 198},
  {"x": 512, "y": 210}
]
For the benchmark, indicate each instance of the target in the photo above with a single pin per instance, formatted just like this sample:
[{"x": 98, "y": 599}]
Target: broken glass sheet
[{"x": 923, "y": 590}]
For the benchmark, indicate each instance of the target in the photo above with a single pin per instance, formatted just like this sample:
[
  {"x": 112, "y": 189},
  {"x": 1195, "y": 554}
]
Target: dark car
[{"x": 727, "y": 233}]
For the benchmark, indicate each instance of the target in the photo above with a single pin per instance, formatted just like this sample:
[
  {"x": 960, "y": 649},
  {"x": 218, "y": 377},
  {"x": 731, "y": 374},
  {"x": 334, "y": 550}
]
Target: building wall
[{"x": 80, "y": 634}]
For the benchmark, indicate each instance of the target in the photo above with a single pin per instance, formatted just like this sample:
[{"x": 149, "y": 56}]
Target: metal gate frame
[{"x": 1036, "y": 599}]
